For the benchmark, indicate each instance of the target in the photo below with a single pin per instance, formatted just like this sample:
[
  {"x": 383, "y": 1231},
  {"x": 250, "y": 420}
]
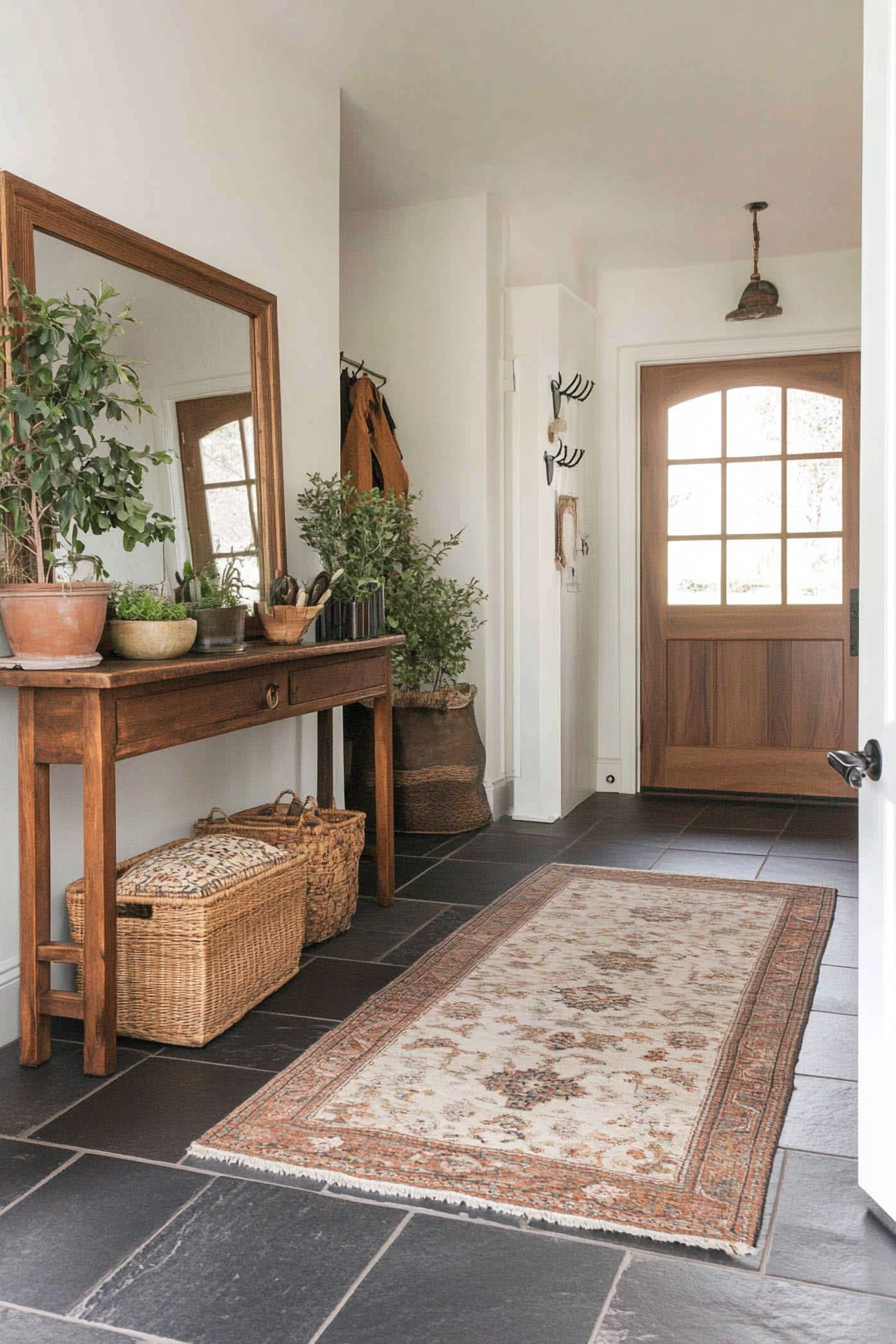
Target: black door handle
[{"x": 855, "y": 766}]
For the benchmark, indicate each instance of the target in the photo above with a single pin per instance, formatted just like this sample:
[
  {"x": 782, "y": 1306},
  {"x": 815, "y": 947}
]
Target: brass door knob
[{"x": 272, "y": 696}]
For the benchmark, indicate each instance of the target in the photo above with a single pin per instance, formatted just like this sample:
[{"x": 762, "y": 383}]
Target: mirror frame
[{"x": 25, "y": 208}]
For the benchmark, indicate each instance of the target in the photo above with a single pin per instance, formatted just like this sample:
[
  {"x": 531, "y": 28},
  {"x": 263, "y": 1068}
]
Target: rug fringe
[{"x": 337, "y": 1178}]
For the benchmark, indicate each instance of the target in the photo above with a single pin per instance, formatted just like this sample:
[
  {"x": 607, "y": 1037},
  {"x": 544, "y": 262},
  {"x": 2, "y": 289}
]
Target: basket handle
[
  {"x": 221, "y": 817},
  {"x": 284, "y": 793}
]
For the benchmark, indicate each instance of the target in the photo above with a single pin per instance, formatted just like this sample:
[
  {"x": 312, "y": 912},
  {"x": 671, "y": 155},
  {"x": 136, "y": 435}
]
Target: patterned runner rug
[{"x": 598, "y": 1048}]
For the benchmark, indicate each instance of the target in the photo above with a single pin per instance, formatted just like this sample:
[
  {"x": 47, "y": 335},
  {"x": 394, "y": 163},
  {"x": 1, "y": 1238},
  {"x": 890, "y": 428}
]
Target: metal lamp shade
[{"x": 759, "y": 299}]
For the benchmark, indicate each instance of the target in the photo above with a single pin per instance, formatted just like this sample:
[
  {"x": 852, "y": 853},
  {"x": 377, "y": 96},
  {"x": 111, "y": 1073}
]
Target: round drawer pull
[{"x": 272, "y": 696}]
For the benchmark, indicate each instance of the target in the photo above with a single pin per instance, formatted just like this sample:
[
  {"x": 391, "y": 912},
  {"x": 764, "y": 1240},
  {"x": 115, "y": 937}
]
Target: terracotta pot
[
  {"x": 219, "y": 629},
  {"x": 152, "y": 639},
  {"x": 54, "y": 624}
]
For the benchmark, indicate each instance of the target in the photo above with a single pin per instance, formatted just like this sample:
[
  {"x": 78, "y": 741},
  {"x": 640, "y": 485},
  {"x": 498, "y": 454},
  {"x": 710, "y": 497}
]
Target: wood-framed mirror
[{"x": 205, "y": 350}]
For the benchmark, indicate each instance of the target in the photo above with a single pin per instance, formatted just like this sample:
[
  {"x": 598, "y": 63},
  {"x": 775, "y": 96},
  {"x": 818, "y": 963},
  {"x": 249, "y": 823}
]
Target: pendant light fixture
[{"x": 760, "y": 298}]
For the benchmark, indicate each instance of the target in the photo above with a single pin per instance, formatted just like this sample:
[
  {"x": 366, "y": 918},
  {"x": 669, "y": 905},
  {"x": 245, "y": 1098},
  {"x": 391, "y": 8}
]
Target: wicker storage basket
[
  {"x": 190, "y": 966},
  {"x": 331, "y": 841}
]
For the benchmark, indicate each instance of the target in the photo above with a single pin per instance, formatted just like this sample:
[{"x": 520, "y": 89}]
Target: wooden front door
[{"x": 749, "y": 563}]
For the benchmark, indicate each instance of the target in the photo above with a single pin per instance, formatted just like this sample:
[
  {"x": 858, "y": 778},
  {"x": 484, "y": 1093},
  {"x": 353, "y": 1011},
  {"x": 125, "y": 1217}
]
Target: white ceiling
[{"x": 638, "y": 128}]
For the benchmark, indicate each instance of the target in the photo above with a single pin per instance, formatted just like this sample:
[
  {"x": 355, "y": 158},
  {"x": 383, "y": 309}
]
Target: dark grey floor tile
[
  {"x": 839, "y": 848},
  {"x": 456, "y": 883},
  {"x": 24, "y": 1165},
  {"x": 403, "y": 917},
  {"x": 363, "y": 944},
  {"x": 72, "y": 1029},
  {"x": 245, "y": 1262},
  {"x": 330, "y": 988},
  {"x": 675, "y": 1302},
  {"x": 25, "y": 1327},
  {"x": 406, "y": 869},
  {"x": 842, "y": 948},
  {"x": 704, "y": 863},
  {"x": 839, "y": 821},
  {"x": 746, "y": 816},
  {"x": 725, "y": 842},
  {"x": 406, "y": 953},
  {"x": 830, "y": 1047},
  {"x": 415, "y": 846},
  {"x": 156, "y": 1110},
  {"x": 640, "y": 831},
  {"x": 813, "y": 873},
  {"x": 613, "y": 853},
  {"x": 824, "y": 1232},
  {"x": 259, "y": 1041},
  {"x": 28, "y": 1097},
  {"x": 822, "y": 1117},
  {"x": 675, "y": 812},
  {"x": 837, "y": 990},
  {"x": 493, "y": 846},
  {"x": 59, "y": 1241},
  {"x": 451, "y": 1282},
  {"x": 565, "y": 827}
]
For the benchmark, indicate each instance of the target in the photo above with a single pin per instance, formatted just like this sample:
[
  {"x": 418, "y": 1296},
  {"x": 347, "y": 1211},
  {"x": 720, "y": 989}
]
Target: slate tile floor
[{"x": 107, "y": 1233}]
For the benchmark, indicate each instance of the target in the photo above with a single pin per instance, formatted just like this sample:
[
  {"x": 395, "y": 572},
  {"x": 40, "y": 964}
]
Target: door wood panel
[{"x": 738, "y": 694}]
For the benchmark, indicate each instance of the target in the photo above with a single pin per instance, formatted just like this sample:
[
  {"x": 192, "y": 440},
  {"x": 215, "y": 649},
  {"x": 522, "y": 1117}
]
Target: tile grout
[
  {"x": 127, "y": 1332},
  {"x": 361, "y": 1277}
]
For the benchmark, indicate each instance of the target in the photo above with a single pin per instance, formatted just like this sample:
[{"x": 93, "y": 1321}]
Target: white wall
[
  {"x": 669, "y": 316},
  {"x": 421, "y": 303},
  {"x": 178, "y": 119}
]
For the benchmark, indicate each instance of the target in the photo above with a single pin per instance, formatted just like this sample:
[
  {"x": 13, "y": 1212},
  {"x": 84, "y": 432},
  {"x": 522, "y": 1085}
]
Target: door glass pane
[
  {"x": 754, "y": 421},
  {"x": 249, "y": 432},
  {"x": 695, "y": 427},
  {"x": 249, "y": 572},
  {"x": 695, "y": 500},
  {"x": 814, "y": 569},
  {"x": 694, "y": 572},
  {"x": 754, "y": 571},
  {"x": 222, "y": 454},
  {"x": 753, "y": 502},
  {"x": 815, "y": 495},
  {"x": 814, "y": 422},
  {"x": 228, "y": 516}
]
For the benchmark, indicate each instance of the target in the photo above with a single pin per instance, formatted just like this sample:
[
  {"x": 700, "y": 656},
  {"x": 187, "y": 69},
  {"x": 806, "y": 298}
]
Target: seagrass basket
[
  {"x": 189, "y": 966},
  {"x": 331, "y": 840}
]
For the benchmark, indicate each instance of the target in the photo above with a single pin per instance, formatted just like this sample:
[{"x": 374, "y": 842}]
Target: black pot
[
  {"x": 353, "y": 620},
  {"x": 219, "y": 629}
]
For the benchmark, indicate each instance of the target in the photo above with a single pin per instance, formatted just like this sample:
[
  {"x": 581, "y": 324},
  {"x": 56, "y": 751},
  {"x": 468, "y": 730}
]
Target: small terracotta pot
[
  {"x": 54, "y": 624},
  {"x": 152, "y": 639}
]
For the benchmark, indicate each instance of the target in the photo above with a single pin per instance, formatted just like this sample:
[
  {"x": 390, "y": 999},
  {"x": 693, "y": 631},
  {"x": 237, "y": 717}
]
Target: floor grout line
[
  {"x": 63, "y": 1166},
  {"x": 774, "y": 1214},
  {"x": 623, "y": 1266},
  {"x": 361, "y": 1277},
  {"x": 128, "y": 1332},
  {"x": 103, "y": 1083}
]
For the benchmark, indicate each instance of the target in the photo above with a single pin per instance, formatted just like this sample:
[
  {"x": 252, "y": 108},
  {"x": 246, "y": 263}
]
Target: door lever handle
[{"x": 855, "y": 766}]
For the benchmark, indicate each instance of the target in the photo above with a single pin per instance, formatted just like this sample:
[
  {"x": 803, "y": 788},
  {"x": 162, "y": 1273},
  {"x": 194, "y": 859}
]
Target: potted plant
[
  {"x": 147, "y": 625},
  {"x": 359, "y": 532},
  {"x": 215, "y": 601},
  {"x": 438, "y": 754},
  {"x": 62, "y": 474}
]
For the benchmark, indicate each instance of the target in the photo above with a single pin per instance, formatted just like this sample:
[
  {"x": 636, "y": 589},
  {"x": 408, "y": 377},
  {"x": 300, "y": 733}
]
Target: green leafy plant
[
  {"x": 61, "y": 475},
  {"x": 209, "y": 588},
  {"x": 136, "y": 603},
  {"x": 437, "y": 616},
  {"x": 359, "y": 531}
]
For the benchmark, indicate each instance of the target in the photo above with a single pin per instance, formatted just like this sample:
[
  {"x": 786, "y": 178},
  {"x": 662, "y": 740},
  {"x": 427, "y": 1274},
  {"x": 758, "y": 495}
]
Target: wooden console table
[{"x": 119, "y": 709}]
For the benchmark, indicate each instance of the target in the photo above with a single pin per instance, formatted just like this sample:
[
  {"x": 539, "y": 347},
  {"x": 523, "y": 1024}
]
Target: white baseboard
[
  {"x": 9, "y": 1002},
  {"x": 500, "y": 796},
  {"x": 607, "y": 775}
]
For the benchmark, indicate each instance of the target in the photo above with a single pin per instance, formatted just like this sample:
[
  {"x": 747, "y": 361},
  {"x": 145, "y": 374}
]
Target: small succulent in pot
[{"x": 146, "y": 624}]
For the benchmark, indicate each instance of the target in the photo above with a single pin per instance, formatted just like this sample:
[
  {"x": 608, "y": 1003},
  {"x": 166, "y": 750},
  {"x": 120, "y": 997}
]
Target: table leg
[
  {"x": 325, "y": 758},
  {"x": 100, "y": 980},
  {"x": 34, "y": 885},
  {"x": 385, "y": 816}
]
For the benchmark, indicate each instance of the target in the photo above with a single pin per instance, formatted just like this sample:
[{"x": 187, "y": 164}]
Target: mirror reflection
[{"x": 192, "y": 357}]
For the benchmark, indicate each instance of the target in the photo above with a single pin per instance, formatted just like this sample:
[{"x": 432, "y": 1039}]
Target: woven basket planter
[
  {"x": 188, "y": 966},
  {"x": 438, "y": 758},
  {"x": 331, "y": 842}
]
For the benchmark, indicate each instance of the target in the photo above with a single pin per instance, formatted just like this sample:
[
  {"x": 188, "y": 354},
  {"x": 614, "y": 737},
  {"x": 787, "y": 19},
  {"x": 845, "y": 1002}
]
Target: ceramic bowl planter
[
  {"x": 54, "y": 625},
  {"x": 152, "y": 639},
  {"x": 219, "y": 629},
  {"x": 438, "y": 762}
]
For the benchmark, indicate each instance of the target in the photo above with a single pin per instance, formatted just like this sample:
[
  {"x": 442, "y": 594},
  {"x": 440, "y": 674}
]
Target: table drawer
[
  {"x": 339, "y": 681},
  {"x": 188, "y": 712}
]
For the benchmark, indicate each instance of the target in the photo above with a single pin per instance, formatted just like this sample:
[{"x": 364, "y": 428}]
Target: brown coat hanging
[{"x": 370, "y": 444}]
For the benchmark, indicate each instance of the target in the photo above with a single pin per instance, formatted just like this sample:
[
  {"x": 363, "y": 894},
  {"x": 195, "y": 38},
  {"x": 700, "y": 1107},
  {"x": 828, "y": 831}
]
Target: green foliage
[
  {"x": 60, "y": 476},
  {"x": 436, "y": 615},
  {"x": 135, "y": 603},
  {"x": 358, "y": 531},
  {"x": 209, "y": 588}
]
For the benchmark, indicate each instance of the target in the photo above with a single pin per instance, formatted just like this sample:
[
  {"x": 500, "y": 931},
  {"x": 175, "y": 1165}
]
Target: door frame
[{"x": 628, "y": 392}]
